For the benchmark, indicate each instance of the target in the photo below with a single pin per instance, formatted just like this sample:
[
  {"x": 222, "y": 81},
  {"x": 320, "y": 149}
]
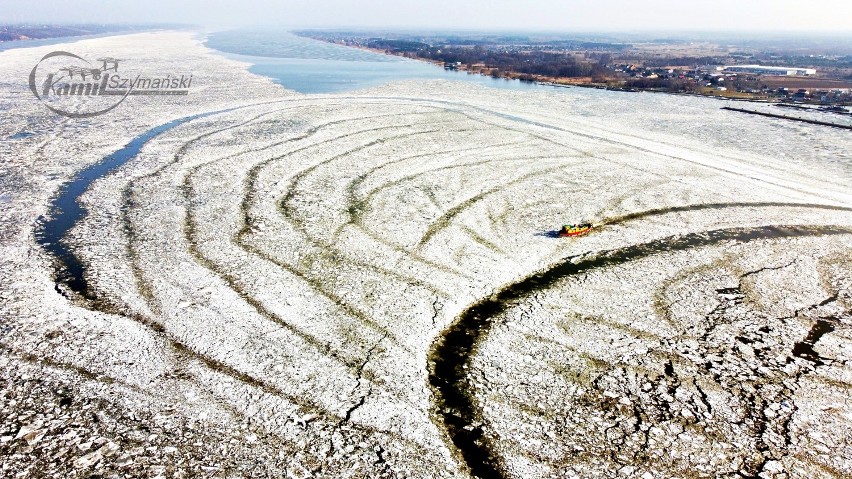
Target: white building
[{"x": 762, "y": 70}]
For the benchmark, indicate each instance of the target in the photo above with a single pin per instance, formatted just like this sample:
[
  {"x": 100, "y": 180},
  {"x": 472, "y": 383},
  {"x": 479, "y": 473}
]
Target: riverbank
[
  {"x": 315, "y": 67},
  {"x": 608, "y": 83},
  {"x": 473, "y": 70}
]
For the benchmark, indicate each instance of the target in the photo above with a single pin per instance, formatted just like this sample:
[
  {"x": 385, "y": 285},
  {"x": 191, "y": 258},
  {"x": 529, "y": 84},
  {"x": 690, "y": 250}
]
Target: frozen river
[
  {"x": 364, "y": 281},
  {"x": 312, "y": 66}
]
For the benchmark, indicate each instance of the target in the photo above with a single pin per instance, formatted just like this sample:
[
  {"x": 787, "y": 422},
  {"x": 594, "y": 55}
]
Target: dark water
[
  {"x": 65, "y": 209},
  {"x": 721, "y": 206},
  {"x": 456, "y": 406},
  {"x": 312, "y": 66},
  {"x": 21, "y": 135},
  {"x": 805, "y": 349}
]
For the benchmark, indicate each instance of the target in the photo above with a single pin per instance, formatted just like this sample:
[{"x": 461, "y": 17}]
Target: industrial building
[{"x": 763, "y": 70}]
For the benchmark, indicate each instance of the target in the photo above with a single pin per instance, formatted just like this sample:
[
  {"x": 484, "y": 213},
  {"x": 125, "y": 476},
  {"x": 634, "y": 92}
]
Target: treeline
[
  {"x": 529, "y": 63},
  {"x": 526, "y": 63},
  {"x": 679, "y": 61},
  {"x": 396, "y": 46},
  {"x": 36, "y": 32},
  {"x": 666, "y": 84},
  {"x": 580, "y": 45},
  {"x": 16, "y": 32},
  {"x": 809, "y": 61},
  {"x": 688, "y": 85}
]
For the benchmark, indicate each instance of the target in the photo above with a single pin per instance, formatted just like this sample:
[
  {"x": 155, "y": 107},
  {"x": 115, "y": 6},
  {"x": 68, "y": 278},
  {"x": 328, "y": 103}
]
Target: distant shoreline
[
  {"x": 586, "y": 83},
  {"x": 10, "y": 33},
  {"x": 559, "y": 82},
  {"x": 41, "y": 42},
  {"x": 556, "y": 82}
]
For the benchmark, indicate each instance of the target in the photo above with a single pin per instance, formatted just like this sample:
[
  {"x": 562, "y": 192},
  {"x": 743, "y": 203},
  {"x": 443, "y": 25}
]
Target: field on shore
[
  {"x": 805, "y": 82},
  {"x": 369, "y": 284}
]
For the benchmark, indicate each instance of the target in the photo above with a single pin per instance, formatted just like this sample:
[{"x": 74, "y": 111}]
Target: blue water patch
[
  {"x": 312, "y": 66},
  {"x": 21, "y": 135}
]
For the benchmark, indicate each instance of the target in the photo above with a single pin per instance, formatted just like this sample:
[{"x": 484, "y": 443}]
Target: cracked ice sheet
[
  {"x": 33, "y": 168},
  {"x": 679, "y": 352}
]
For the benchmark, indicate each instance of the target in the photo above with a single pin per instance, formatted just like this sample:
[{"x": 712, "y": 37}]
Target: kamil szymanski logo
[{"x": 72, "y": 86}]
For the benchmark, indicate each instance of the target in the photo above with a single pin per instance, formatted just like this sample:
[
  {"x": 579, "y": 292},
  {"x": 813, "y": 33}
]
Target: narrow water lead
[
  {"x": 805, "y": 349},
  {"x": 451, "y": 353},
  {"x": 65, "y": 209}
]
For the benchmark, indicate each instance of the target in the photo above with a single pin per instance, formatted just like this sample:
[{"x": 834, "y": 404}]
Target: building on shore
[{"x": 764, "y": 70}]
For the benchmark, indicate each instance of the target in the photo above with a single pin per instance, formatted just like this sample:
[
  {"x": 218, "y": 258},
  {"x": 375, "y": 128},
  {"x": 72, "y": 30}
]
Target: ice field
[{"x": 369, "y": 284}]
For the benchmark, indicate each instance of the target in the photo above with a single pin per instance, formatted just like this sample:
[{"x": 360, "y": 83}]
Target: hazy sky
[{"x": 609, "y": 15}]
